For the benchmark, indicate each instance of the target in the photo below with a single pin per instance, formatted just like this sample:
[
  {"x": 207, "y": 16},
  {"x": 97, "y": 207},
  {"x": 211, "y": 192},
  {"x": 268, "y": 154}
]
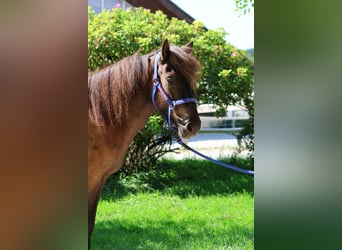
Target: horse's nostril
[{"x": 189, "y": 127}]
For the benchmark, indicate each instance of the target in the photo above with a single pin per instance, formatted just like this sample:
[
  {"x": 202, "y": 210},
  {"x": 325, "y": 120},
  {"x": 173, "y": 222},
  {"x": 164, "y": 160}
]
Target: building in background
[{"x": 167, "y": 7}]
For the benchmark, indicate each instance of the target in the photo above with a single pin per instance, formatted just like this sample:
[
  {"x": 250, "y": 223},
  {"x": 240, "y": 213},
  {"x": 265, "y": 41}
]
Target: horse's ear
[
  {"x": 188, "y": 47},
  {"x": 165, "y": 49}
]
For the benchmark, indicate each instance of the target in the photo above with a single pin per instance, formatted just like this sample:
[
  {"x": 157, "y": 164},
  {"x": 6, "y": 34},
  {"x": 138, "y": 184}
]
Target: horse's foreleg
[{"x": 93, "y": 198}]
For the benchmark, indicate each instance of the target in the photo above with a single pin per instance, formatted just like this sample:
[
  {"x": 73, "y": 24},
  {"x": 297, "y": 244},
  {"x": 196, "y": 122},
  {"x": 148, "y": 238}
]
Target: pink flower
[
  {"x": 117, "y": 5},
  {"x": 234, "y": 53}
]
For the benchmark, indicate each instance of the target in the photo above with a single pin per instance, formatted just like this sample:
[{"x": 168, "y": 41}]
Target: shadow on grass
[
  {"x": 122, "y": 234},
  {"x": 182, "y": 178}
]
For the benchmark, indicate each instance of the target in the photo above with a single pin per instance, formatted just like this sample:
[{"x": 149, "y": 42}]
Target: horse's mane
[{"x": 111, "y": 90}]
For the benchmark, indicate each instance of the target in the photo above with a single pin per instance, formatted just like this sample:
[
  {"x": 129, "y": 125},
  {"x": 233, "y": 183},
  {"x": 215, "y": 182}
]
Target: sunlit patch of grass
[{"x": 188, "y": 205}]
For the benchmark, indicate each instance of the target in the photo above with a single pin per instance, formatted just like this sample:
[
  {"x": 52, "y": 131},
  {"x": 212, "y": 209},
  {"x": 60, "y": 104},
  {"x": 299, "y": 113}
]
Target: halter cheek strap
[{"x": 172, "y": 104}]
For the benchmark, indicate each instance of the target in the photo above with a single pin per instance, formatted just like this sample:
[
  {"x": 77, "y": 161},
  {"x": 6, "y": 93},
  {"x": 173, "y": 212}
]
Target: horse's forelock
[{"x": 186, "y": 64}]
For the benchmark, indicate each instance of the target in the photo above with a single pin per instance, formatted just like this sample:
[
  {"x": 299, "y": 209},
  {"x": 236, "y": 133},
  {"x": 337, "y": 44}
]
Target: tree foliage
[
  {"x": 244, "y": 6},
  {"x": 227, "y": 74}
]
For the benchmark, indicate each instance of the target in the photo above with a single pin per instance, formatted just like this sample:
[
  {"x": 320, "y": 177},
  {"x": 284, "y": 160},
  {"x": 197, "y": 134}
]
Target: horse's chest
[{"x": 106, "y": 153}]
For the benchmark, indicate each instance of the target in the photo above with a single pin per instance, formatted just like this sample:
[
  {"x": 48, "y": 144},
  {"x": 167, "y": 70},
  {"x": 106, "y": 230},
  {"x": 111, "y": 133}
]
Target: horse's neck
[
  {"x": 137, "y": 116},
  {"x": 107, "y": 148},
  {"x": 112, "y": 142}
]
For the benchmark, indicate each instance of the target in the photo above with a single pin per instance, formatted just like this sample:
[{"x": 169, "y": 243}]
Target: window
[{"x": 99, "y": 5}]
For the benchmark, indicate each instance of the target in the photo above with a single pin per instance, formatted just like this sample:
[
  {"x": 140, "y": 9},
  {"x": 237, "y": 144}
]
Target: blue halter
[{"x": 172, "y": 104}]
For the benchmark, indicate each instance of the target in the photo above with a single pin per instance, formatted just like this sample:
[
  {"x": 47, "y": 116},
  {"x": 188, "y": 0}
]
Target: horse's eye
[{"x": 169, "y": 68}]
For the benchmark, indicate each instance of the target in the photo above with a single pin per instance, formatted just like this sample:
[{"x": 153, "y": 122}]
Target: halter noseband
[{"x": 172, "y": 104}]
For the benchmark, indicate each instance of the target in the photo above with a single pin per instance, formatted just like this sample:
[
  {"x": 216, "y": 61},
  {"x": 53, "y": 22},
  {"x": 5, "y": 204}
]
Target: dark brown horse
[{"x": 119, "y": 104}]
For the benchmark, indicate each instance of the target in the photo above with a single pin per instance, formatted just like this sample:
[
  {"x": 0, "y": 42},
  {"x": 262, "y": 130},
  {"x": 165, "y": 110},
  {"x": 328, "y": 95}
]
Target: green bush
[{"x": 227, "y": 74}]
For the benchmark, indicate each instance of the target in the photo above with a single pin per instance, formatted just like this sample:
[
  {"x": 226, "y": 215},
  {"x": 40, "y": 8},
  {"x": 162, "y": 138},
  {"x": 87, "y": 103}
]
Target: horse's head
[{"x": 178, "y": 72}]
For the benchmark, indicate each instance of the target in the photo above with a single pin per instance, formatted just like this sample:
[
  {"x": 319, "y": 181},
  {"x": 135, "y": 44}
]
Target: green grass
[{"x": 188, "y": 204}]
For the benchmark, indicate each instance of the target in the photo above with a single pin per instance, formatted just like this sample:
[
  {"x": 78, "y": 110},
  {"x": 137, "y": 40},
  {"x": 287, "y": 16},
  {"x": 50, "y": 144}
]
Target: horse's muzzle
[{"x": 188, "y": 128}]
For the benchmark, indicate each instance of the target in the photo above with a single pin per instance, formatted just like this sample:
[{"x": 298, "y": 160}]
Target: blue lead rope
[{"x": 179, "y": 140}]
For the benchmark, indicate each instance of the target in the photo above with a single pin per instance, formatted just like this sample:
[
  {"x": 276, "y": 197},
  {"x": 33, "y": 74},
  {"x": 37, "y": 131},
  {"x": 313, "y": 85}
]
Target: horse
[{"x": 119, "y": 104}]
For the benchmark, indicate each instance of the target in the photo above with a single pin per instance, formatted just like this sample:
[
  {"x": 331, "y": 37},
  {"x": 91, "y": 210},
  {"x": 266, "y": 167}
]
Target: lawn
[{"x": 187, "y": 204}]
